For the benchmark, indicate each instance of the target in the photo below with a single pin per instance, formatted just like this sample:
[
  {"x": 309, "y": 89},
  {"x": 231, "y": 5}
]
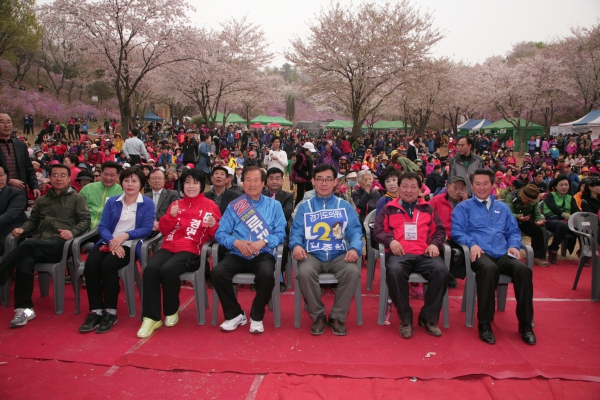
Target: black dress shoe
[
  {"x": 406, "y": 331},
  {"x": 282, "y": 287},
  {"x": 526, "y": 332},
  {"x": 485, "y": 332},
  {"x": 337, "y": 327},
  {"x": 318, "y": 327},
  {"x": 452, "y": 283},
  {"x": 91, "y": 322},
  {"x": 106, "y": 323}
]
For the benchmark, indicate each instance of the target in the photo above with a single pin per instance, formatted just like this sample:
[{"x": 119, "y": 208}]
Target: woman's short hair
[
  {"x": 196, "y": 175},
  {"x": 362, "y": 174},
  {"x": 135, "y": 170}
]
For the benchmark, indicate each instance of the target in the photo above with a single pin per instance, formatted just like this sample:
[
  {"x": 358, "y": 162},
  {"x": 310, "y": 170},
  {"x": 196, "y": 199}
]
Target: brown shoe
[
  {"x": 541, "y": 262},
  {"x": 337, "y": 327},
  {"x": 430, "y": 327},
  {"x": 406, "y": 331},
  {"x": 318, "y": 327},
  {"x": 553, "y": 257}
]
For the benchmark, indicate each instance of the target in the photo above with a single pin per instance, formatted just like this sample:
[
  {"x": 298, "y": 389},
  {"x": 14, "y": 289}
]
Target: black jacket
[
  {"x": 228, "y": 197},
  {"x": 26, "y": 171},
  {"x": 164, "y": 201},
  {"x": 13, "y": 204},
  {"x": 287, "y": 202},
  {"x": 189, "y": 148}
]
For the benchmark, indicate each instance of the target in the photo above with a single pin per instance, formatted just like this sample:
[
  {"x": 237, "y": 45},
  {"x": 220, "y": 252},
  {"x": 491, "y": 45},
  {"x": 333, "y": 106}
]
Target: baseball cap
[{"x": 457, "y": 178}]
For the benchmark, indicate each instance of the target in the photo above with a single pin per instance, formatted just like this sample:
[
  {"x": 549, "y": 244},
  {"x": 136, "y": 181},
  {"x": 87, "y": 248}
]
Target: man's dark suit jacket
[
  {"x": 26, "y": 170},
  {"x": 13, "y": 204},
  {"x": 164, "y": 201},
  {"x": 228, "y": 196},
  {"x": 286, "y": 199}
]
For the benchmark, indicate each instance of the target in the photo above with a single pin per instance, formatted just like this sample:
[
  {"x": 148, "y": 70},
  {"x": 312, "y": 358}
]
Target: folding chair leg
[
  {"x": 215, "y": 308},
  {"x": 44, "y": 281},
  {"x": 501, "y": 294},
  {"x": 579, "y": 269},
  {"x": 297, "y": 304},
  {"x": 59, "y": 292},
  {"x": 5, "y": 293},
  {"x": 446, "y": 310},
  {"x": 358, "y": 304}
]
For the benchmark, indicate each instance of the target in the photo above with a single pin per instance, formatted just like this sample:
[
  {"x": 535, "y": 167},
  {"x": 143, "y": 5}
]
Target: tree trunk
[{"x": 125, "y": 109}]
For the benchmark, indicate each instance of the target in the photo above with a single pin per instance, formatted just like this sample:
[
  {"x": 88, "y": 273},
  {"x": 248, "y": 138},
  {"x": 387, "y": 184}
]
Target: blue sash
[{"x": 251, "y": 218}]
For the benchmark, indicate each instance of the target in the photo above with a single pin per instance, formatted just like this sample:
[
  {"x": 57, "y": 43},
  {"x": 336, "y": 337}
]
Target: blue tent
[
  {"x": 474, "y": 124},
  {"x": 150, "y": 116}
]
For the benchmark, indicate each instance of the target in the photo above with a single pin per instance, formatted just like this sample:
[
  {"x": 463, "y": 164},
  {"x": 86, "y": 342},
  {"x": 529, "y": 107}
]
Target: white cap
[
  {"x": 309, "y": 146},
  {"x": 126, "y": 165},
  {"x": 230, "y": 171}
]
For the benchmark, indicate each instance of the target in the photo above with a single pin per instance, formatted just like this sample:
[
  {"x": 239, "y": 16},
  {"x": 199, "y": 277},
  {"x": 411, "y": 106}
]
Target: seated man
[
  {"x": 251, "y": 229},
  {"x": 219, "y": 192},
  {"x": 443, "y": 206},
  {"x": 274, "y": 190},
  {"x": 13, "y": 204},
  {"x": 60, "y": 215},
  {"x": 491, "y": 232},
  {"x": 318, "y": 252},
  {"x": 413, "y": 235},
  {"x": 97, "y": 193},
  {"x": 525, "y": 207},
  {"x": 162, "y": 197}
]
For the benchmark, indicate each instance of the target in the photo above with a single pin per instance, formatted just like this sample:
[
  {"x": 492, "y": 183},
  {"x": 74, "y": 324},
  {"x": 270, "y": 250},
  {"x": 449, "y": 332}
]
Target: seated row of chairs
[{"x": 585, "y": 225}]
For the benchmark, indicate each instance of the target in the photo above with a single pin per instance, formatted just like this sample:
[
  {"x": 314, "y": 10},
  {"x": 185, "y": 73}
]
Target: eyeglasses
[
  {"x": 59, "y": 175},
  {"x": 326, "y": 180}
]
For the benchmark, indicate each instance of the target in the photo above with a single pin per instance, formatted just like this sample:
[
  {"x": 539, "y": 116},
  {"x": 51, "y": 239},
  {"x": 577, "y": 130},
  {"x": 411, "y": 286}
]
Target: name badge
[{"x": 410, "y": 231}]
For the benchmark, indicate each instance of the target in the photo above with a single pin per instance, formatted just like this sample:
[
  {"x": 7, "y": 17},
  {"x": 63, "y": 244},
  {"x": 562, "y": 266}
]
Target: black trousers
[
  {"x": 487, "y": 272},
  {"x": 135, "y": 159},
  {"x": 561, "y": 230},
  {"x": 23, "y": 259},
  {"x": 102, "y": 278},
  {"x": 529, "y": 228},
  {"x": 163, "y": 269},
  {"x": 398, "y": 269},
  {"x": 301, "y": 188},
  {"x": 221, "y": 276}
]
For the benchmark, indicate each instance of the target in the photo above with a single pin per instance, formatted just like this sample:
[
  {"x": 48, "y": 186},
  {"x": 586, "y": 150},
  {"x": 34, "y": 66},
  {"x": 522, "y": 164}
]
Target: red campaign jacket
[
  {"x": 389, "y": 226},
  {"x": 184, "y": 232},
  {"x": 443, "y": 208}
]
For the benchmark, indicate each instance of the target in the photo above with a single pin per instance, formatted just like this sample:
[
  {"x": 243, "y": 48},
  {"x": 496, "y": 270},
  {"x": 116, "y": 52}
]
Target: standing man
[
  {"x": 189, "y": 148},
  {"x": 205, "y": 153},
  {"x": 277, "y": 158},
  {"x": 413, "y": 235},
  {"x": 487, "y": 227},
  {"x": 162, "y": 197},
  {"x": 320, "y": 228},
  {"x": 15, "y": 157},
  {"x": 251, "y": 229},
  {"x": 134, "y": 148},
  {"x": 465, "y": 162},
  {"x": 60, "y": 215}
]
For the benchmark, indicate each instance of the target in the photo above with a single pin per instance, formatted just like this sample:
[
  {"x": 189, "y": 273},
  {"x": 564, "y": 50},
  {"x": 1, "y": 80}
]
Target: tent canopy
[
  {"x": 231, "y": 119},
  {"x": 341, "y": 124},
  {"x": 591, "y": 119},
  {"x": 386, "y": 125},
  {"x": 504, "y": 127},
  {"x": 505, "y": 124},
  {"x": 150, "y": 116},
  {"x": 474, "y": 124},
  {"x": 265, "y": 120}
]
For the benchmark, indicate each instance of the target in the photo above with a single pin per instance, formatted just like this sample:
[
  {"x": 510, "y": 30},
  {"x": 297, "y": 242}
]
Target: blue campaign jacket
[
  {"x": 144, "y": 220},
  {"x": 353, "y": 233},
  {"x": 231, "y": 228},
  {"x": 494, "y": 230}
]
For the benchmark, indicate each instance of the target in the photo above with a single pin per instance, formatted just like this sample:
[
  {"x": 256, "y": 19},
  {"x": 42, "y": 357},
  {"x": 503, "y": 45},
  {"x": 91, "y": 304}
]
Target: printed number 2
[{"x": 325, "y": 235}]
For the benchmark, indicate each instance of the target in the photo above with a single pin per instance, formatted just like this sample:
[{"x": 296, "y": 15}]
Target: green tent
[
  {"x": 231, "y": 119},
  {"x": 387, "y": 125},
  {"x": 503, "y": 128},
  {"x": 341, "y": 124},
  {"x": 265, "y": 120}
]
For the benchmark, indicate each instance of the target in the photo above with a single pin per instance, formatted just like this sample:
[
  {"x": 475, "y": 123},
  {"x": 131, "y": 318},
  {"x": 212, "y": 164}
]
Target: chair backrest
[
  {"x": 585, "y": 225},
  {"x": 370, "y": 218}
]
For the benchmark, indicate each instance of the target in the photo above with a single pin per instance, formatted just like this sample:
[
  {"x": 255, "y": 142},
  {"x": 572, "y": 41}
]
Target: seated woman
[
  {"x": 187, "y": 225},
  {"x": 365, "y": 197},
  {"x": 558, "y": 207},
  {"x": 125, "y": 217}
]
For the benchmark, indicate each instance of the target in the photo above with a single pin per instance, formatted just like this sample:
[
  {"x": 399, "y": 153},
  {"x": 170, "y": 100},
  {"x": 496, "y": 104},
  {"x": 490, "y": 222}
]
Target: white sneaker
[
  {"x": 22, "y": 315},
  {"x": 232, "y": 324},
  {"x": 256, "y": 326}
]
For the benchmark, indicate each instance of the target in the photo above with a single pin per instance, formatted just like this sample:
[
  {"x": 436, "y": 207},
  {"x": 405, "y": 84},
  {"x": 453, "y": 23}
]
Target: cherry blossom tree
[
  {"x": 127, "y": 39},
  {"x": 358, "y": 55},
  {"x": 227, "y": 62}
]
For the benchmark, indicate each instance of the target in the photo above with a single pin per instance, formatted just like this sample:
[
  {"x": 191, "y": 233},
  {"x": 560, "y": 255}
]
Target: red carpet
[{"x": 566, "y": 328}]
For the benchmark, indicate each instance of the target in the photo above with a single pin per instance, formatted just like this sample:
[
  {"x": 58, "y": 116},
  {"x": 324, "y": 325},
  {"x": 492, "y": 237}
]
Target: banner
[{"x": 324, "y": 230}]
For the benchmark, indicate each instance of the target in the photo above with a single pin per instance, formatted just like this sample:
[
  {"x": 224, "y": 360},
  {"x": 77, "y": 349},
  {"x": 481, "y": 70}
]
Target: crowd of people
[{"x": 193, "y": 185}]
